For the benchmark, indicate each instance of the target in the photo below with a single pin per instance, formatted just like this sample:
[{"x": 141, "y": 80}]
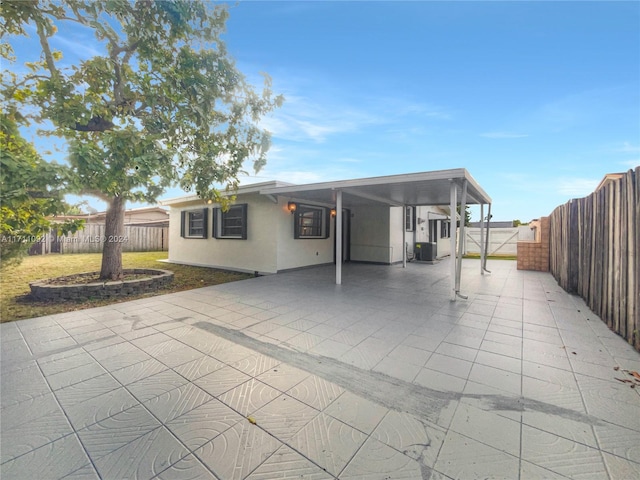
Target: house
[
  {"x": 429, "y": 224},
  {"x": 609, "y": 177},
  {"x": 275, "y": 226}
]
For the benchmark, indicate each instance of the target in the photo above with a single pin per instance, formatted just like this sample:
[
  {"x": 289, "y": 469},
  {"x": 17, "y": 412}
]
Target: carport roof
[{"x": 426, "y": 188}]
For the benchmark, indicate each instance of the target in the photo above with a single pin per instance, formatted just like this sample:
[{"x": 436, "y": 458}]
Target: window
[
  {"x": 311, "y": 222},
  {"x": 445, "y": 229},
  {"x": 410, "y": 219},
  {"x": 231, "y": 224},
  {"x": 193, "y": 223}
]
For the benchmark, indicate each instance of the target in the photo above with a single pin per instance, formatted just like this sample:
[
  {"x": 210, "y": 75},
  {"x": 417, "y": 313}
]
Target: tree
[
  {"x": 165, "y": 104},
  {"x": 30, "y": 193},
  {"x": 467, "y": 215}
]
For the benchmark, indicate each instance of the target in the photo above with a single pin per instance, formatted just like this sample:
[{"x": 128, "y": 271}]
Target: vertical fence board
[
  {"x": 623, "y": 261},
  {"x": 594, "y": 245},
  {"x": 608, "y": 282},
  {"x": 615, "y": 256},
  {"x": 636, "y": 274},
  {"x": 573, "y": 243}
]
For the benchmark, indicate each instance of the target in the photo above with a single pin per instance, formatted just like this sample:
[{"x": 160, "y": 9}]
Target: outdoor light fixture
[
  {"x": 333, "y": 212},
  {"x": 292, "y": 207}
]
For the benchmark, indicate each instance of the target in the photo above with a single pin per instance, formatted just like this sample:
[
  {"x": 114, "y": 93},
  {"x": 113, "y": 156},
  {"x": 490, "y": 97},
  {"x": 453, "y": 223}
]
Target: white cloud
[
  {"x": 628, "y": 148},
  {"x": 301, "y": 119},
  {"x": 517, "y": 178},
  {"x": 82, "y": 48},
  {"x": 577, "y": 187},
  {"x": 347, "y": 160},
  {"x": 501, "y": 135},
  {"x": 631, "y": 163},
  {"x": 572, "y": 187},
  {"x": 400, "y": 107},
  {"x": 290, "y": 176}
]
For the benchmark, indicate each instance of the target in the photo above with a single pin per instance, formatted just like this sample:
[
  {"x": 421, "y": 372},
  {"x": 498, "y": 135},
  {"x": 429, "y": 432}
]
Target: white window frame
[
  {"x": 187, "y": 220},
  {"x": 219, "y": 217},
  {"x": 410, "y": 219}
]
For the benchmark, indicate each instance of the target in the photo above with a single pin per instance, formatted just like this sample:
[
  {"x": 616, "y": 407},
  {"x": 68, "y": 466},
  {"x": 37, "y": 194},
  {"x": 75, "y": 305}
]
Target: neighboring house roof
[
  {"x": 609, "y": 177},
  {"x": 143, "y": 216}
]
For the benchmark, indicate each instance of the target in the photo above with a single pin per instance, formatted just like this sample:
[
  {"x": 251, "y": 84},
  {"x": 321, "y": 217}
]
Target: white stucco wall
[
  {"x": 296, "y": 253},
  {"x": 421, "y": 233},
  {"x": 270, "y": 245},
  {"x": 256, "y": 253},
  {"x": 443, "y": 247},
  {"x": 370, "y": 234},
  {"x": 396, "y": 225}
]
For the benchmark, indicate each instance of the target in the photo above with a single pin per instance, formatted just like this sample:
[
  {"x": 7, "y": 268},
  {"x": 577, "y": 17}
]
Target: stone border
[{"x": 41, "y": 290}]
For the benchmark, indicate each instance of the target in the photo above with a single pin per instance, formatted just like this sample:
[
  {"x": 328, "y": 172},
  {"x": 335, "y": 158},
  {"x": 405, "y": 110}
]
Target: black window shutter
[
  {"x": 296, "y": 223},
  {"x": 205, "y": 225},
  {"x": 216, "y": 219},
  {"x": 183, "y": 216},
  {"x": 244, "y": 221},
  {"x": 413, "y": 218}
]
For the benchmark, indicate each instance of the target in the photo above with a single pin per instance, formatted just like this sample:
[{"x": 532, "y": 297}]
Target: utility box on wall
[{"x": 426, "y": 251}]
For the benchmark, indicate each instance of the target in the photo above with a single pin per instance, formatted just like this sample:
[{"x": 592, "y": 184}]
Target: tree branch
[
  {"x": 118, "y": 86},
  {"x": 95, "y": 193},
  {"x": 44, "y": 43},
  {"x": 96, "y": 124},
  {"x": 12, "y": 89}
]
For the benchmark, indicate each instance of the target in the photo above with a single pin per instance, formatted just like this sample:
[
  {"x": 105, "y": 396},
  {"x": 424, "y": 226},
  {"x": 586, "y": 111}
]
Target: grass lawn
[
  {"x": 492, "y": 257},
  {"x": 15, "y": 302}
]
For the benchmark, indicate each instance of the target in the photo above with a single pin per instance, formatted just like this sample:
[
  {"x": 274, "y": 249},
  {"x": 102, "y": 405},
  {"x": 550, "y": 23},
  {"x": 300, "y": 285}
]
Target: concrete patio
[{"x": 291, "y": 376}]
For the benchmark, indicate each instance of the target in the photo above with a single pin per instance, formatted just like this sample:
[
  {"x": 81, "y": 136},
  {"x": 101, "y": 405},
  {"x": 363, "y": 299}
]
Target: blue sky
[{"x": 538, "y": 100}]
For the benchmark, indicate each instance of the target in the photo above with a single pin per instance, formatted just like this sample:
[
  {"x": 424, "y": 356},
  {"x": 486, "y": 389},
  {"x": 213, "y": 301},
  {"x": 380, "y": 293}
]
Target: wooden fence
[
  {"x": 595, "y": 252},
  {"x": 92, "y": 237}
]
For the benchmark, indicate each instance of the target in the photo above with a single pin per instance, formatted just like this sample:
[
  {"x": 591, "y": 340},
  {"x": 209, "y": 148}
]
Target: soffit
[{"x": 426, "y": 188}]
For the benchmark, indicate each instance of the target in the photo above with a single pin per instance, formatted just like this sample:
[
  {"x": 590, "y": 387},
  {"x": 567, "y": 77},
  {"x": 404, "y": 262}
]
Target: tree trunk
[{"x": 114, "y": 233}]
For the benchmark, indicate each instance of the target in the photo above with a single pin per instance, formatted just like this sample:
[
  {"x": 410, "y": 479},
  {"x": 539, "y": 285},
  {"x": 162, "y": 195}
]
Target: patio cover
[{"x": 442, "y": 187}]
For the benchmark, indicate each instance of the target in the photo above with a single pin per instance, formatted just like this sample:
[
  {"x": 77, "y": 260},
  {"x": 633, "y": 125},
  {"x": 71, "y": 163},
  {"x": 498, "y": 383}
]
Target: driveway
[{"x": 292, "y": 376}]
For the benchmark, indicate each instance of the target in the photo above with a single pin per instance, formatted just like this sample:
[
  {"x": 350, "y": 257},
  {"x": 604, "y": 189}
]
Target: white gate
[{"x": 502, "y": 241}]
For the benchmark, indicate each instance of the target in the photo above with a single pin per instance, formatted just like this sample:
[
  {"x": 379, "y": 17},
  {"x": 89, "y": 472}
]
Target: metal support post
[
  {"x": 482, "y": 239},
  {"x": 339, "y": 237},
  {"x": 404, "y": 237},
  {"x": 486, "y": 243}
]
